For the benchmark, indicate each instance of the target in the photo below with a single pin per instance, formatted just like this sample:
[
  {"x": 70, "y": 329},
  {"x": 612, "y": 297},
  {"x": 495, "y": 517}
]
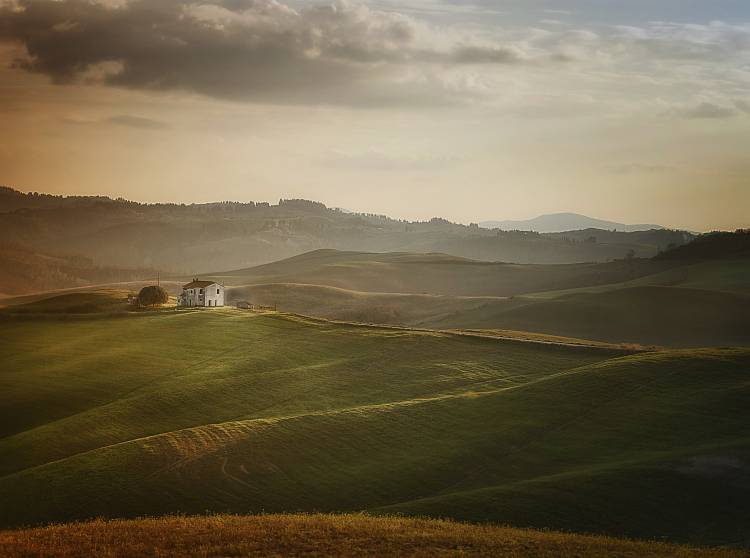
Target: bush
[{"x": 151, "y": 295}]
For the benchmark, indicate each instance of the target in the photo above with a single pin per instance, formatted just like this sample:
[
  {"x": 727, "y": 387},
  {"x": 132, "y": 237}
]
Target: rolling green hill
[
  {"x": 715, "y": 275},
  {"x": 364, "y": 307},
  {"x": 675, "y": 317},
  {"x": 685, "y": 304},
  {"x": 412, "y": 273},
  {"x": 188, "y": 411},
  {"x": 321, "y": 535}
]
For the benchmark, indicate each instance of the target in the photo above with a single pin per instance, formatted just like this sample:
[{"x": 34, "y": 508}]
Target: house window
[
  {"x": 201, "y": 291},
  {"x": 217, "y": 291}
]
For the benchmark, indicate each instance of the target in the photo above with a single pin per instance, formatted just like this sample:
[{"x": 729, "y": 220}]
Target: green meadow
[{"x": 125, "y": 414}]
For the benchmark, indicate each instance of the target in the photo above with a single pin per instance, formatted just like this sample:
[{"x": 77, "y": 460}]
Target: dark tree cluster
[{"x": 152, "y": 295}]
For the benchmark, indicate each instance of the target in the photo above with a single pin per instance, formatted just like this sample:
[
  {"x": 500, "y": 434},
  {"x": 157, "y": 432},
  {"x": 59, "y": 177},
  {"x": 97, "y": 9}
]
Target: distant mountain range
[{"x": 561, "y": 222}]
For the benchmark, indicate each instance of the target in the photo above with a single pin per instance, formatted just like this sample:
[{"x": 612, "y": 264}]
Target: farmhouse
[{"x": 202, "y": 293}]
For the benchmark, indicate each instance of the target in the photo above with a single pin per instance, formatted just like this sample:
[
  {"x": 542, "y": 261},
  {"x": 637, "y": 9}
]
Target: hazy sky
[{"x": 631, "y": 110}]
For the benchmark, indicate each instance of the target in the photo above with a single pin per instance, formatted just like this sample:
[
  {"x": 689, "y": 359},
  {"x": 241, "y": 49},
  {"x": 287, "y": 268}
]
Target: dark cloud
[
  {"x": 234, "y": 49},
  {"x": 485, "y": 55}
]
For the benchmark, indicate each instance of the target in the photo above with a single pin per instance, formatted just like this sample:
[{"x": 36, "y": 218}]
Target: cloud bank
[
  {"x": 258, "y": 50},
  {"x": 351, "y": 54}
]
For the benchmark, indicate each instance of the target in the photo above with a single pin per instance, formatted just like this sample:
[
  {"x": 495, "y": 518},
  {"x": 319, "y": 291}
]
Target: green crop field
[{"x": 131, "y": 414}]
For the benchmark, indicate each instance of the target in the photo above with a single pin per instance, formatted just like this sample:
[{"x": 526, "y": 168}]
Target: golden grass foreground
[{"x": 320, "y": 535}]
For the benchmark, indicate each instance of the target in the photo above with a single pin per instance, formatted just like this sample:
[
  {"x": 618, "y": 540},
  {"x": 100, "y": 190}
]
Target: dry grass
[{"x": 319, "y": 535}]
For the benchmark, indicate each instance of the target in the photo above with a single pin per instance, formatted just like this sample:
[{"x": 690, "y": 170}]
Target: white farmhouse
[{"x": 202, "y": 293}]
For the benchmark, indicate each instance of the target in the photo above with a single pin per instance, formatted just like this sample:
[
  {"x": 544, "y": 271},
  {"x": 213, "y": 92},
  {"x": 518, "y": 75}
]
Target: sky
[{"x": 636, "y": 111}]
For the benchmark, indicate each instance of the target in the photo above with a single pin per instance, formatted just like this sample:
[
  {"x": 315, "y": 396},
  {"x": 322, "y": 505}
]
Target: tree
[{"x": 152, "y": 295}]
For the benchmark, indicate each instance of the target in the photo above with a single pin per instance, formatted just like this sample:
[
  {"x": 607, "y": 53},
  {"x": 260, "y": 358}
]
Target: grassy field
[
  {"x": 650, "y": 315},
  {"x": 321, "y": 535},
  {"x": 121, "y": 415}
]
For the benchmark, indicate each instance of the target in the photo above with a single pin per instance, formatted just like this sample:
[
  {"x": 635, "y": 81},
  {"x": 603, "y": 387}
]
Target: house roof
[{"x": 195, "y": 284}]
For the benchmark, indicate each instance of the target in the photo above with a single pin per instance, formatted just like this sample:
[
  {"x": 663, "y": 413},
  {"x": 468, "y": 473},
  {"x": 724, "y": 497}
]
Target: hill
[
  {"x": 561, "y": 222},
  {"x": 676, "y": 317},
  {"x": 25, "y": 271},
  {"x": 356, "y": 306},
  {"x": 441, "y": 274},
  {"x": 712, "y": 246},
  {"x": 206, "y": 237},
  {"x": 321, "y": 535},
  {"x": 713, "y": 275},
  {"x": 279, "y": 413},
  {"x": 670, "y": 302}
]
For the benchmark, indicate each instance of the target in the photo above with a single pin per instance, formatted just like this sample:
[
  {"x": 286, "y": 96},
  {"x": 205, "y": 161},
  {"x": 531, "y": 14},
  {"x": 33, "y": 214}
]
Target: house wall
[{"x": 213, "y": 293}]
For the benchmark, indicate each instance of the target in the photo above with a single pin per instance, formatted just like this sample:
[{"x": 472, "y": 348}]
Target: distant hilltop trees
[
  {"x": 712, "y": 246},
  {"x": 303, "y": 204}
]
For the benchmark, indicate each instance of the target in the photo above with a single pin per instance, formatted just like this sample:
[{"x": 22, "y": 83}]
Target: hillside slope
[
  {"x": 413, "y": 273},
  {"x": 25, "y": 271},
  {"x": 714, "y": 275},
  {"x": 666, "y": 316},
  {"x": 275, "y": 413},
  {"x": 670, "y": 316},
  {"x": 357, "y": 306},
  {"x": 321, "y": 535},
  {"x": 663, "y": 302}
]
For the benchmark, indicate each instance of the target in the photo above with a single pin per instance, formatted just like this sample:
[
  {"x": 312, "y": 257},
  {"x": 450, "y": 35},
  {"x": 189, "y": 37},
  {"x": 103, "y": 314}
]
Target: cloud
[
  {"x": 127, "y": 120},
  {"x": 258, "y": 50},
  {"x": 139, "y": 122},
  {"x": 684, "y": 41},
  {"x": 342, "y": 53},
  {"x": 707, "y": 110}
]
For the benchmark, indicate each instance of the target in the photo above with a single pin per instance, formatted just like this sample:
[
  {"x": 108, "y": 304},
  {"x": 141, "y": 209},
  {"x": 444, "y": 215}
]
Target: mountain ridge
[{"x": 563, "y": 222}]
